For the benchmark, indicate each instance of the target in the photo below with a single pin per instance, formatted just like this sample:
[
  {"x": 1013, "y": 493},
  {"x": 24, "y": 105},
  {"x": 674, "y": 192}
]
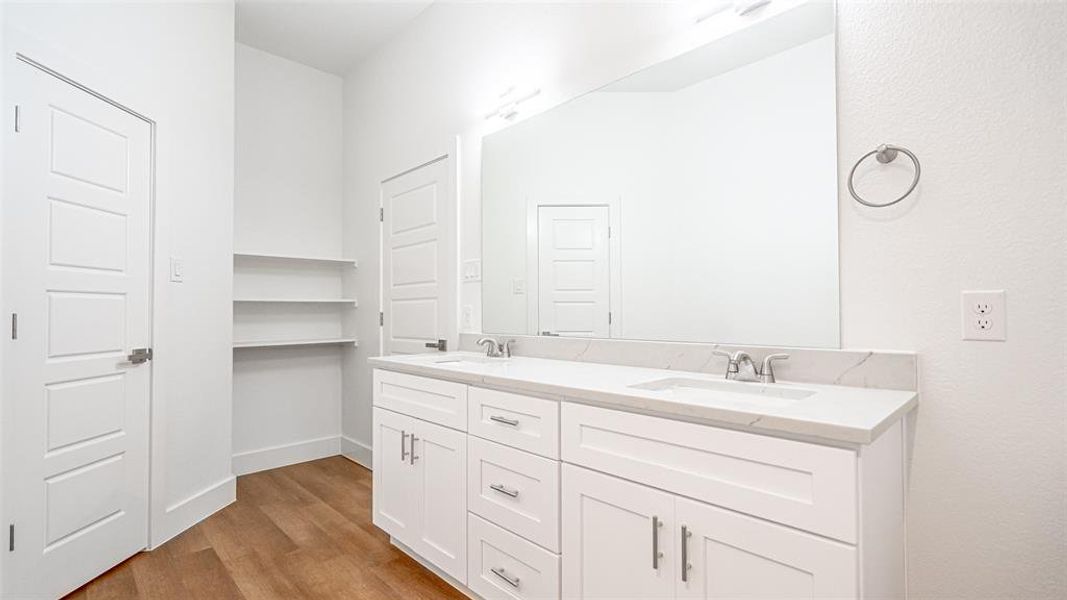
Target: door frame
[
  {"x": 21, "y": 50},
  {"x": 533, "y": 283},
  {"x": 450, "y": 153}
]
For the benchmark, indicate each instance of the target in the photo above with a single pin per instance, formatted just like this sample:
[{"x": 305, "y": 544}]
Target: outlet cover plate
[{"x": 984, "y": 314}]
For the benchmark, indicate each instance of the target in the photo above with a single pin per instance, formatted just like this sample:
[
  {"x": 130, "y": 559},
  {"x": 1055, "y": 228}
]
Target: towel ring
[{"x": 885, "y": 154}]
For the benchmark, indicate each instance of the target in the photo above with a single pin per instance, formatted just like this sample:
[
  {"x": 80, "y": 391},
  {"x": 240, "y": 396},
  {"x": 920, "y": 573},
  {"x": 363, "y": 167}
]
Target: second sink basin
[
  {"x": 469, "y": 359},
  {"x": 696, "y": 388}
]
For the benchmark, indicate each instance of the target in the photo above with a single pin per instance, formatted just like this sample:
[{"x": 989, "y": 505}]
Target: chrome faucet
[
  {"x": 495, "y": 349},
  {"x": 741, "y": 367}
]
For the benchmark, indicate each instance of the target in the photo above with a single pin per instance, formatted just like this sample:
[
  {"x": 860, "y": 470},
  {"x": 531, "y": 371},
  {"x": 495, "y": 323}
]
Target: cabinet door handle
[
  {"x": 412, "y": 453},
  {"x": 686, "y": 534},
  {"x": 504, "y": 420},
  {"x": 499, "y": 487},
  {"x": 499, "y": 572},
  {"x": 403, "y": 445},
  {"x": 656, "y": 554}
]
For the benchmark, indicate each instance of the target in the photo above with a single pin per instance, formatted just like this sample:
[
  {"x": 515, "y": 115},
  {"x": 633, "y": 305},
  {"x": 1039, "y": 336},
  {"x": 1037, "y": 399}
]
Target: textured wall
[{"x": 977, "y": 90}]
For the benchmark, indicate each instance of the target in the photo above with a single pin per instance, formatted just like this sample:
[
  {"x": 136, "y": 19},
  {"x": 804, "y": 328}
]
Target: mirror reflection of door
[{"x": 574, "y": 266}]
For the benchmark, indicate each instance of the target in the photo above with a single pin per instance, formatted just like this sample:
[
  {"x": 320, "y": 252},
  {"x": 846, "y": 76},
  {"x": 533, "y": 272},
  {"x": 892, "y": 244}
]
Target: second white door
[
  {"x": 419, "y": 259},
  {"x": 574, "y": 271}
]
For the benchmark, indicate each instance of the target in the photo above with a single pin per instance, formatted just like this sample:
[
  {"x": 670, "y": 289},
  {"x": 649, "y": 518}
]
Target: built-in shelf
[
  {"x": 288, "y": 257},
  {"x": 282, "y": 343},
  {"x": 351, "y": 301}
]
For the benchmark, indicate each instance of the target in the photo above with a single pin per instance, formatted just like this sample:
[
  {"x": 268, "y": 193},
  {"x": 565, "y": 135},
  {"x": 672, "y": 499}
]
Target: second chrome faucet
[
  {"x": 495, "y": 349},
  {"x": 741, "y": 366}
]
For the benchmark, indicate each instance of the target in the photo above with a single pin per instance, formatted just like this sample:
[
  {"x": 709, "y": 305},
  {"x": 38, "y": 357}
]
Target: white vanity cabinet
[
  {"x": 520, "y": 497},
  {"x": 623, "y": 540},
  {"x": 420, "y": 474}
]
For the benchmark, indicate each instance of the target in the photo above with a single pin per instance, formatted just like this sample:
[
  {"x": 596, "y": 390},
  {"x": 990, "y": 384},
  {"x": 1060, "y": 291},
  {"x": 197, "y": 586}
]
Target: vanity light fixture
[
  {"x": 744, "y": 7},
  {"x": 508, "y": 109},
  {"x": 718, "y": 7}
]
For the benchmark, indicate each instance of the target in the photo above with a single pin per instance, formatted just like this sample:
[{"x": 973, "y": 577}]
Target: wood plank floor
[{"x": 302, "y": 531}]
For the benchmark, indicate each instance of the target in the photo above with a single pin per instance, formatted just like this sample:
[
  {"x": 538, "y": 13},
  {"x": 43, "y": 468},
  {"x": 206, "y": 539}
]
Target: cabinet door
[
  {"x": 395, "y": 477},
  {"x": 612, "y": 546},
  {"x": 735, "y": 556},
  {"x": 441, "y": 464}
]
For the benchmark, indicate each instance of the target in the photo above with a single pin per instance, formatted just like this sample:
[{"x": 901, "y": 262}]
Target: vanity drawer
[
  {"x": 433, "y": 400},
  {"x": 501, "y": 565},
  {"x": 514, "y": 489},
  {"x": 807, "y": 486},
  {"x": 530, "y": 424}
]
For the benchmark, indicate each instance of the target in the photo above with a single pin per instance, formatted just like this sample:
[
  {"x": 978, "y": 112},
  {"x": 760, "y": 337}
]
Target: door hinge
[
  {"x": 609, "y": 317},
  {"x": 11, "y": 537},
  {"x": 381, "y": 214},
  {"x": 381, "y": 319},
  {"x": 16, "y": 118},
  {"x": 609, "y": 232},
  {"x": 14, "y": 326}
]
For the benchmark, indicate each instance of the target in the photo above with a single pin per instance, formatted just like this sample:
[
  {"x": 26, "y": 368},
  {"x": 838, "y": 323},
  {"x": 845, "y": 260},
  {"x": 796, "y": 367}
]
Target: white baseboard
[
  {"x": 286, "y": 454},
  {"x": 357, "y": 452},
  {"x": 183, "y": 514}
]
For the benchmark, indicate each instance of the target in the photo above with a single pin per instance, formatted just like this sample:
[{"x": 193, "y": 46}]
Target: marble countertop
[{"x": 836, "y": 414}]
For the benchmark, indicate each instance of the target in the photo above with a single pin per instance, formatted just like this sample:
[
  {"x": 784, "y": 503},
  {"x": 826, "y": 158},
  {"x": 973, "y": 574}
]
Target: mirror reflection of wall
[{"x": 692, "y": 201}]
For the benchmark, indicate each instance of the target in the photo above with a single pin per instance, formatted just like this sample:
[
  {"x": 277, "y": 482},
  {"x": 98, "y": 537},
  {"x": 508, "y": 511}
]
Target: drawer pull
[
  {"x": 656, "y": 554},
  {"x": 412, "y": 453},
  {"x": 504, "y": 420},
  {"x": 499, "y": 487},
  {"x": 512, "y": 581},
  {"x": 686, "y": 534},
  {"x": 403, "y": 445}
]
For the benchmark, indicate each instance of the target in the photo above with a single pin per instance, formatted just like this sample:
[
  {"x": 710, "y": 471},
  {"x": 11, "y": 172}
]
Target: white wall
[
  {"x": 174, "y": 63},
  {"x": 288, "y": 179},
  {"x": 976, "y": 89},
  {"x": 754, "y": 257},
  {"x": 287, "y": 401}
]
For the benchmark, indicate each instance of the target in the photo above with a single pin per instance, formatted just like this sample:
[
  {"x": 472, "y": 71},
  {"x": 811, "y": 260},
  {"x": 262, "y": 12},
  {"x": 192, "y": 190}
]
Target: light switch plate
[
  {"x": 177, "y": 270},
  {"x": 472, "y": 270},
  {"x": 985, "y": 315}
]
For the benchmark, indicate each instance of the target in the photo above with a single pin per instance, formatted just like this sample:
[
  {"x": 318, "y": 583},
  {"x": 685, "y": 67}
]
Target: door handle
[
  {"x": 403, "y": 446},
  {"x": 499, "y": 487},
  {"x": 139, "y": 355},
  {"x": 441, "y": 345},
  {"x": 656, "y": 554},
  {"x": 412, "y": 453},
  {"x": 499, "y": 572},
  {"x": 686, "y": 534}
]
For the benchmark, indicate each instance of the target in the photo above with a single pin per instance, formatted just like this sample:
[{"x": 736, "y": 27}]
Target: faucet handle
[
  {"x": 731, "y": 362},
  {"x": 766, "y": 373}
]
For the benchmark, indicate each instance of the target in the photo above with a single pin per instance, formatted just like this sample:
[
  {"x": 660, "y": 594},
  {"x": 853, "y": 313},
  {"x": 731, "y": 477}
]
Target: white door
[
  {"x": 76, "y": 272},
  {"x": 395, "y": 477},
  {"x": 734, "y": 556},
  {"x": 419, "y": 259},
  {"x": 618, "y": 538},
  {"x": 573, "y": 271},
  {"x": 441, "y": 460}
]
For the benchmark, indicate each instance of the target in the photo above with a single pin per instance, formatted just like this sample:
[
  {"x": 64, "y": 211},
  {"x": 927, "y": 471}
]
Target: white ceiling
[{"x": 331, "y": 35}]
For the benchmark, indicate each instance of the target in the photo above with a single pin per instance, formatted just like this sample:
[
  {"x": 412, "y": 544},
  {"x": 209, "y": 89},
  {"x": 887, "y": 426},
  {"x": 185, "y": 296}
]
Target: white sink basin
[
  {"x": 697, "y": 389},
  {"x": 469, "y": 360}
]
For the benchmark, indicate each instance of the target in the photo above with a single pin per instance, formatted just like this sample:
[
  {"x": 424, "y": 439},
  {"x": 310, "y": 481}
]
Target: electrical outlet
[
  {"x": 518, "y": 286},
  {"x": 985, "y": 315},
  {"x": 468, "y": 317}
]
